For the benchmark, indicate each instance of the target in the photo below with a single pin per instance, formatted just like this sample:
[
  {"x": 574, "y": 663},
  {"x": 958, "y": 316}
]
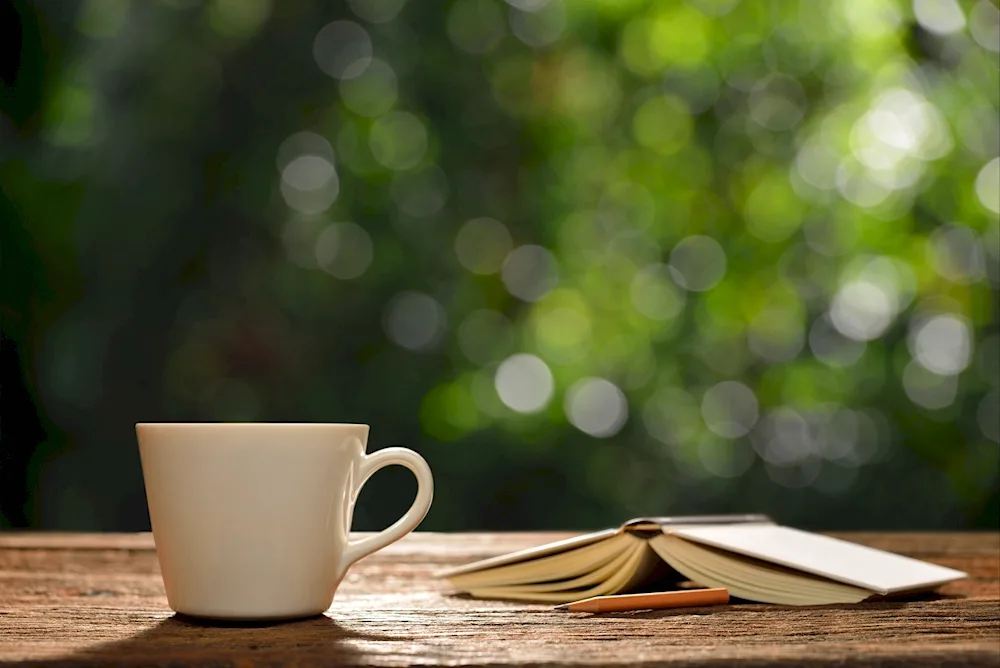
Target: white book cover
[{"x": 850, "y": 563}]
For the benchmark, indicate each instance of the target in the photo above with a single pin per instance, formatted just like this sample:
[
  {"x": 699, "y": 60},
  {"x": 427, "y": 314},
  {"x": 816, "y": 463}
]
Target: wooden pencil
[{"x": 684, "y": 598}]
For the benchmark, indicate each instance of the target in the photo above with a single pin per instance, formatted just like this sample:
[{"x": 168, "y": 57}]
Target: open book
[{"x": 750, "y": 555}]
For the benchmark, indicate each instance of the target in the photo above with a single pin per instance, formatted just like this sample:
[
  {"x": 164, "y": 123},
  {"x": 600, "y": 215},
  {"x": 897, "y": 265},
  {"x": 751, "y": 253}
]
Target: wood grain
[{"x": 97, "y": 600}]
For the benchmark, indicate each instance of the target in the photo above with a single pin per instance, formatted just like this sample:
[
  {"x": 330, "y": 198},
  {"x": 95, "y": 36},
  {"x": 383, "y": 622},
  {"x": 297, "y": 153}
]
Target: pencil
[{"x": 685, "y": 598}]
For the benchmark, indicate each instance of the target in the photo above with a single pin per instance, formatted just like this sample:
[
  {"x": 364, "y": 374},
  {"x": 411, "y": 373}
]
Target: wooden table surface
[{"x": 97, "y": 600}]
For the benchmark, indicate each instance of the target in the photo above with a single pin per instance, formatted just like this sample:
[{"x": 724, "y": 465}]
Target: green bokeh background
[{"x": 592, "y": 258}]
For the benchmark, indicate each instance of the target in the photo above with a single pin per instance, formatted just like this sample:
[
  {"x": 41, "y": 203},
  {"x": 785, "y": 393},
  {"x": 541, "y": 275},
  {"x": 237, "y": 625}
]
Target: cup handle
[{"x": 357, "y": 549}]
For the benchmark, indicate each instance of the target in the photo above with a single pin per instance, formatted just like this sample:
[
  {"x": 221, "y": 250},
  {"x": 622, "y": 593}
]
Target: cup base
[{"x": 216, "y": 619}]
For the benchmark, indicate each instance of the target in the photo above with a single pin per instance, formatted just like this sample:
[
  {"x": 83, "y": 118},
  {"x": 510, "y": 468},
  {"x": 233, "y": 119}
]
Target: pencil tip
[{"x": 564, "y": 606}]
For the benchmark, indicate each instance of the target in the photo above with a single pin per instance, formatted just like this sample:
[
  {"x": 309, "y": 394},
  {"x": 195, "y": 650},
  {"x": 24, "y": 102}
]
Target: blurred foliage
[{"x": 593, "y": 259}]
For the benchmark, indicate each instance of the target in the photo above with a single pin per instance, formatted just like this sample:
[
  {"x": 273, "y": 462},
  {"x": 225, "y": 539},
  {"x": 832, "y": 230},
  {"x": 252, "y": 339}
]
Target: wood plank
[
  {"x": 83, "y": 600},
  {"x": 12, "y": 540}
]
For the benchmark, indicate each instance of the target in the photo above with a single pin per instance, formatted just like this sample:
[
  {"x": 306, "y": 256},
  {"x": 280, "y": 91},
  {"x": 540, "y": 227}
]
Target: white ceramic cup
[{"x": 252, "y": 521}]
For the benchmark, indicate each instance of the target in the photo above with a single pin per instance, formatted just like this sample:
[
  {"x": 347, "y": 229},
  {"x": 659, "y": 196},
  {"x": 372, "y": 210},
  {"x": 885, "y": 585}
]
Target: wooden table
[{"x": 97, "y": 600}]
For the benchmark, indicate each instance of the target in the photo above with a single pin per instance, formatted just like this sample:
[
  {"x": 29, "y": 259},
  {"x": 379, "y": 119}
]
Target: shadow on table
[{"x": 183, "y": 641}]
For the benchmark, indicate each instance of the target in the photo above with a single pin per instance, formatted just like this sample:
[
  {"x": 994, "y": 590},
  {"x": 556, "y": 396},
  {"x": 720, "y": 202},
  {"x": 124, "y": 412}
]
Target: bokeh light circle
[
  {"x": 398, "y": 140},
  {"x": 524, "y": 383},
  {"x": 777, "y": 102},
  {"x": 831, "y": 347},
  {"x": 862, "y": 310},
  {"x": 988, "y": 185},
  {"x": 928, "y": 389},
  {"x": 654, "y": 293},
  {"x": 475, "y": 26},
  {"x": 783, "y": 438},
  {"x": 596, "y": 407},
  {"x": 698, "y": 263},
  {"x": 530, "y": 272},
  {"x": 415, "y": 321},
  {"x": 671, "y": 416},
  {"x": 344, "y": 250},
  {"x": 303, "y": 144},
  {"x": 941, "y": 344},
  {"x": 776, "y": 336},
  {"x": 308, "y": 172},
  {"x": 984, "y": 24},
  {"x": 542, "y": 26},
  {"x": 956, "y": 254},
  {"x": 941, "y": 17},
  {"x": 482, "y": 245},
  {"x": 342, "y": 49},
  {"x": 372, "y": 92},
  {"x": 729, "y": 409},
  {"x": 309, "y": 184}
]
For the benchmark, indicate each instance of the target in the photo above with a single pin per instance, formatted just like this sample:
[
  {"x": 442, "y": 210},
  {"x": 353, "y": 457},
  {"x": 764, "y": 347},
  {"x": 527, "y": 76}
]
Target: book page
[
  {"x": 752, "y": 579},
  {"x": 532, "y": 553},
  {"x": 640, "y": 562},
  {"x": 559, "y": 566},
  {"x": 843, "y": 561}
]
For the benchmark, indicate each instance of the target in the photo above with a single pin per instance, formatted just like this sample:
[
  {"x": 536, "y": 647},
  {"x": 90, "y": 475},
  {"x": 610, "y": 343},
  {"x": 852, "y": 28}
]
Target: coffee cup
[{"x": 252, "y": 520}]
